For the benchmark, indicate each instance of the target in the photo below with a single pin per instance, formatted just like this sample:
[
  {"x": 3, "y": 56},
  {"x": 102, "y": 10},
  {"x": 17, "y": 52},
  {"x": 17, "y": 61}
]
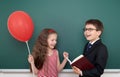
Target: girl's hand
[
  {"x": 65, "y": 55},
  {"x": 30, "y": 59}
]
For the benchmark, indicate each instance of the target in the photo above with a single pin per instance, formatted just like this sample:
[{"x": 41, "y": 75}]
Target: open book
[{"x": 81, "y": 62}]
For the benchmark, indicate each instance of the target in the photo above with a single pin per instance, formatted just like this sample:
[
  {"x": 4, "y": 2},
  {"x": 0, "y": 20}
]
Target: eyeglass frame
[{"x": 89, "y": 29}]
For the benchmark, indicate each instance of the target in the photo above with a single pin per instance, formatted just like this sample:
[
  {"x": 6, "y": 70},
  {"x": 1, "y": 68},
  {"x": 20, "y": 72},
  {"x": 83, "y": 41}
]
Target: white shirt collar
[{"x": 94, "y": 41}]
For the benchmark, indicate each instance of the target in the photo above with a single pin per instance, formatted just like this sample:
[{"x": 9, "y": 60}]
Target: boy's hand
[{"x": 77, "y": 70}]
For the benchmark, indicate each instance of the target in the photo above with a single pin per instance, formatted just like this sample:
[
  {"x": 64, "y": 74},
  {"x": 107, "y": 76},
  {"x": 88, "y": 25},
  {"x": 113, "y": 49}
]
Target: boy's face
[
  {"x": 52, "y": 40},
  {"x": 91, "y": 33}
]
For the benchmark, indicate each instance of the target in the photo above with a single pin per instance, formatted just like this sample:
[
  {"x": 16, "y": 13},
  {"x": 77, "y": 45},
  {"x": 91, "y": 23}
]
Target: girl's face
[
  {"x": 91, "y": 33},
  {"x": 52, "y": 40}
]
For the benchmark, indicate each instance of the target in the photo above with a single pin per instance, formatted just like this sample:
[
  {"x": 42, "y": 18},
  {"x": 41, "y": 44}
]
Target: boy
[{"x": 97, "y": 52}]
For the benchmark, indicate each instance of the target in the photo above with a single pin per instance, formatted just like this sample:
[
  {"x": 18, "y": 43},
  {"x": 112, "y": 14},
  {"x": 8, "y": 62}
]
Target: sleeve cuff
[{"x": 81, "y": 74}]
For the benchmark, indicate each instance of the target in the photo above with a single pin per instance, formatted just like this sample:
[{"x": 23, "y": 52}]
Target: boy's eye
[{"x": 88, "y": 29}]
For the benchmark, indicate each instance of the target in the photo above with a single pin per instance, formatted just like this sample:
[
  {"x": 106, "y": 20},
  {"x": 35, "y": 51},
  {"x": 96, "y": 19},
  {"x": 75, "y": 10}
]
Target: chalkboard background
[{"x": 67, "y": 17}]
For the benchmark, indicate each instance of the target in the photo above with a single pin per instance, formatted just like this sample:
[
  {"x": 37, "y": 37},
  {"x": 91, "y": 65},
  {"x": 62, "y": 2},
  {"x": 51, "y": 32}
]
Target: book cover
[{"x": 81, "y": 62}]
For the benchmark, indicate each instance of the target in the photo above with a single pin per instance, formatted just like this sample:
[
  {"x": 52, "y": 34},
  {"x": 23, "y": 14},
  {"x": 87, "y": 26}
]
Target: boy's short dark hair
[{"x": 97, "y": 23}]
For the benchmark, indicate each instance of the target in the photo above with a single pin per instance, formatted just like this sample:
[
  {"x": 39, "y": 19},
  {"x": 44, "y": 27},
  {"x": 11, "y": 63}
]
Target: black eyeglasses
[{"x": 88, "y": 29}]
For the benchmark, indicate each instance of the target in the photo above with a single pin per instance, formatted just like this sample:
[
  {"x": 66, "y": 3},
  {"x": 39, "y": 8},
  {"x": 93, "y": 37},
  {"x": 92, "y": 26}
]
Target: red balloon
[{"x": 20, "y": 26}]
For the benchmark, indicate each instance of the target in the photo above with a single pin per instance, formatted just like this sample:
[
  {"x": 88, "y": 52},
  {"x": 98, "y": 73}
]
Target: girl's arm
[
  {"x": 61, "y": 66},
  {"x": 31, "y": 61}
]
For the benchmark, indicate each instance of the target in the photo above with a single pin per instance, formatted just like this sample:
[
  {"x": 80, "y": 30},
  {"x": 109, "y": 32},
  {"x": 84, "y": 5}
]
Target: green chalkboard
[{"x": 67, "y": 17}]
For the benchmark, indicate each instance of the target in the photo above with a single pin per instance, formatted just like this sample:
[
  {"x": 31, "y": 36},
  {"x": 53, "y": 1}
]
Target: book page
[
  {"x": 69, "y": 60},
  {"x": 77, "y": 58}
]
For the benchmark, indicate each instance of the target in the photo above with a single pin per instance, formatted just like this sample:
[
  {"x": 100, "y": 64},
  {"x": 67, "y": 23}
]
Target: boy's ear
[{"x": 99, "y": 33}]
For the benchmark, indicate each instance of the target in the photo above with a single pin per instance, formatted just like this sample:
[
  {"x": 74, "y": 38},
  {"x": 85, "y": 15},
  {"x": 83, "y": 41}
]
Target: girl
[{"x": 45, "y": 58}]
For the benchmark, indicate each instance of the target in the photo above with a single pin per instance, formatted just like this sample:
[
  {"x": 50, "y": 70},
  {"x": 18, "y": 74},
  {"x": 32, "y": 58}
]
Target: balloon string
[
  {"x": 28, "y": 47},
  {"x": 30, "y": 54}
]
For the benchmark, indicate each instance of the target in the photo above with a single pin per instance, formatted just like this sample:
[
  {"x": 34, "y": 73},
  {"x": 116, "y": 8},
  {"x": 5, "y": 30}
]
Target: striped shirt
[{"x": 50, "y": 66}]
